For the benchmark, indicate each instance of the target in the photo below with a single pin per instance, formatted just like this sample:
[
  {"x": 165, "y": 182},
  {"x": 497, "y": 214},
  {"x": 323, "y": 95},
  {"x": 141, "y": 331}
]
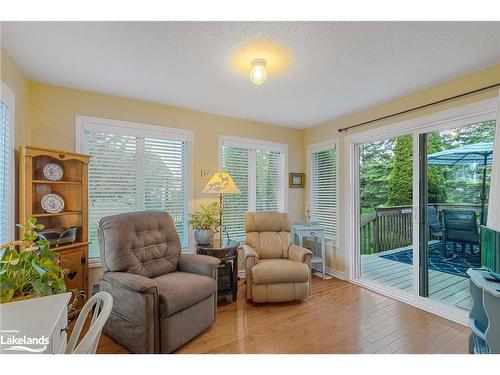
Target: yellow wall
[
  {"x": 336, "y": 256},
  {"x": 52, "y": 124},
  {"x": 13, "y": 77}
]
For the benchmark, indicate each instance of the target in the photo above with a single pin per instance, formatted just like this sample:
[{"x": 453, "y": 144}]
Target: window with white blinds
[
  {"x": 323, "y": 187},
  {"x": 136, "y": 170},
  {"x": 269, "y": 181},
  {"x": 6, "y": 165},
  {"x": 259, "y": 171},
  {"x": 235, "y": 161}
]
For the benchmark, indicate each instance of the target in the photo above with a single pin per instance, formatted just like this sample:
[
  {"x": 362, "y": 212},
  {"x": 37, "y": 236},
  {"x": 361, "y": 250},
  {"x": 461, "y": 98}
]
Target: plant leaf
[
  {"x": 7, "y": 296},
  {"x": 43, "y": 244},
  {"x": 5, "y": 286},
  {"x": 41, "y": 271},
  {"x": 41, "y": 288},
  {"x": 32, "y": 222}
]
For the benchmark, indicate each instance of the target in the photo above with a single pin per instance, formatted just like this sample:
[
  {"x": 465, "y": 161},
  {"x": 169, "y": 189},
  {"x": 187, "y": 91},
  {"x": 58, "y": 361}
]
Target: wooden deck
[{"x": 443, "y": 287}]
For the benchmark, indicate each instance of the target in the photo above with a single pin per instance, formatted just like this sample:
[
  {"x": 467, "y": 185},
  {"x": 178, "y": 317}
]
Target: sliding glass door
[
  {"x": 420, "y": 201},
  {"x": 455, "y": 171},
  {"x": 385, "y": 201}
]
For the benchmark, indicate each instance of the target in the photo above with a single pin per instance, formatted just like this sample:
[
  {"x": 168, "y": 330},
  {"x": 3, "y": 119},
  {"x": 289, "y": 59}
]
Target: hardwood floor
[{"x": 338, "y": 318}]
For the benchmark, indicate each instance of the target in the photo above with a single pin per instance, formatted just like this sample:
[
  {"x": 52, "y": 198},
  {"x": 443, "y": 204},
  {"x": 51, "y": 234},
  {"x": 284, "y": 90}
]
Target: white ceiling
[{"x": 338, "y": 67}]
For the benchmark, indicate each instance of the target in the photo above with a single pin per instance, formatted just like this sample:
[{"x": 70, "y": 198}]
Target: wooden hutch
[{"x": 73, "y": 188}]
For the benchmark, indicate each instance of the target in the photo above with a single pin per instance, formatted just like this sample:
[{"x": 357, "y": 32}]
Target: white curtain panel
[{"x": 494, "y": 201}]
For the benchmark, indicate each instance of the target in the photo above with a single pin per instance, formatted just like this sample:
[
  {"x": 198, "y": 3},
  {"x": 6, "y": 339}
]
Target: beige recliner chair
[{"x": 276, "y": 270}]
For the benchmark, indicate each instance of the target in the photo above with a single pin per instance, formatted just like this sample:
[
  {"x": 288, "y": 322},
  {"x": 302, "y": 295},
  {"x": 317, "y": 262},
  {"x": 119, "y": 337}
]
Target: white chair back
[{"x": 102, "y": 303}]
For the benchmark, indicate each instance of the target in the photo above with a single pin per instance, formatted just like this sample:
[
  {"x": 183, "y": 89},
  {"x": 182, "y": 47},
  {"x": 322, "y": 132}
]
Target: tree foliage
[
  {"x": 437, "y": 191},
  {"x": 375, "y": 167},
  {"x": 386, "y": 169},
  {"x": 401, "y": 177}
]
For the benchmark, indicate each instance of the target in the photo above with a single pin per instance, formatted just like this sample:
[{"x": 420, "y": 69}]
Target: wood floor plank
[{"x": 339, "y": 317}]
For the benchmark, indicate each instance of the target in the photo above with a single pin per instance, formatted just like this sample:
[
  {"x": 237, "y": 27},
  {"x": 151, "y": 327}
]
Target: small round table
[{"x": 227, "y": 275}]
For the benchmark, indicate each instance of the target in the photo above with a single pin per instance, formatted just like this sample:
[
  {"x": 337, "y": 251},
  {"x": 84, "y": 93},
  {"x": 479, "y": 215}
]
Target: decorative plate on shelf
[
  {"x": 52, "y": 171},
  {"x": 52, "y": 203}
]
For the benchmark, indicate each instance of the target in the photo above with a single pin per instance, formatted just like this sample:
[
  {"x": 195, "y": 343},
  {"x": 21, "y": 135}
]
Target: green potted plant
[
  {"x": 205, "y": 222},
  {"x": 31, "y": 270}
]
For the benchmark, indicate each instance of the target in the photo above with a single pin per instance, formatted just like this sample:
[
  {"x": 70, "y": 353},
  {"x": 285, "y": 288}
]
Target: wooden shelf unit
[
  {"x": 57, "y": 182},
  {"x": 74, "y": 189},
  {"x": 48, "y": 214}
]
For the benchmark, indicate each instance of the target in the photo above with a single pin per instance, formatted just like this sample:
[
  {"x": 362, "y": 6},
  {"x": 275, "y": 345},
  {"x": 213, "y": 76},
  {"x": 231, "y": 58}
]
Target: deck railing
[{"x": 391, "y": 227}]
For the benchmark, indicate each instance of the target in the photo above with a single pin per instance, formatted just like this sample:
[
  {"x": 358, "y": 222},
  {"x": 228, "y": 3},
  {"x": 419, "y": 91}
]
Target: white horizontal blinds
[
  {"x": 166, "y": 180},
  {"x": 257, "y": 170},
  {"x": 113, "y": 174},
  {"x": 5, "y": 219},
  {"x": 130, "y": 171},
  {"x": 235, "y": 161},
  {"x": 323, "y": 204},
  {"x": 268, "y": 180}
]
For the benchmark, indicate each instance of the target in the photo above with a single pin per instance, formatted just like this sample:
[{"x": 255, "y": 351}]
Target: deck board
[{"x": 443, "y": 287}]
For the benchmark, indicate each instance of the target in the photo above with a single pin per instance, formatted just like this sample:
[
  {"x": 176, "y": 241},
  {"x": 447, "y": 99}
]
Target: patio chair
[
  {"x": 435, "y": 227},
  {"x": 460, "y": 226}
]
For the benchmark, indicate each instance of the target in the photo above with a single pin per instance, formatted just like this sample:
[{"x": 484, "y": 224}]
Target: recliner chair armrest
[
  {"x": 251, "y": 259},
  {"x": 250, "y": 253},
  {"x": 303, "y": 255},
  {"x": 199, "y": 264},
  {"x": 134, "y": 320},
  {"x": 131, "y": 281},
  {"x": 299, "y": 254}
]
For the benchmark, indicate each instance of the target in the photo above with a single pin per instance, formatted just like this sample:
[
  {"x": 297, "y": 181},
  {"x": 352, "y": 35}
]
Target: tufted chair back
[
  {"x": 144, "y": 243},
  {"x": 268, "y": 233}
]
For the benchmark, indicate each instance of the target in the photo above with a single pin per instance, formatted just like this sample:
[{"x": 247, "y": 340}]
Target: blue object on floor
[{"x": 456, "y": 266}]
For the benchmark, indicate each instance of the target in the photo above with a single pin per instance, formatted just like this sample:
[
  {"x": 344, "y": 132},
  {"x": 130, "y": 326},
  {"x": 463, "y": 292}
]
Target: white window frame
[
  {"x": 252, "y": 144},
  {"x": 318, "y": 147},
  {"x": 8, "y": 96},
  {"x": 122, "y": 127}
]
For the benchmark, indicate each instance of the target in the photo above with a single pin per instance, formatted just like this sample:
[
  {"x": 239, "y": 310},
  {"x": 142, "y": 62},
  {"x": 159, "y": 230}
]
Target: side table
[
  {"x": 227, "y": 276},
  {"x": 484, "y": 317},
  {"x": 317, "y": 232}
]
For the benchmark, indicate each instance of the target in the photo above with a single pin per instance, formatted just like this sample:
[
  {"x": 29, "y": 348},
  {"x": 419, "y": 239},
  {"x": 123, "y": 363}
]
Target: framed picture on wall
[{"x": 296, "y": 180}]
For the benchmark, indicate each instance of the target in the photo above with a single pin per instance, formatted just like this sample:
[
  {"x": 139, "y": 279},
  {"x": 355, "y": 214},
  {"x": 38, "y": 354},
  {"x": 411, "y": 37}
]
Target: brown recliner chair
[
  {"x": 276, "y": 270},
  {"x": 162, "y": 298}
]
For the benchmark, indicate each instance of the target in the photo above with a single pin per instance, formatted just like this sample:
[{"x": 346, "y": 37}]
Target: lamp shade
[{"x": 221, "y": 183}]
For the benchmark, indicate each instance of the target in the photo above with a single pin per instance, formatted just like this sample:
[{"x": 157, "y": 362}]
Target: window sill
[{"x": 94, "y": 262}]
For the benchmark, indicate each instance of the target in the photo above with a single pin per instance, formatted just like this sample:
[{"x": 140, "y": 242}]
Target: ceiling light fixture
[{"x": 258, "y": 73}]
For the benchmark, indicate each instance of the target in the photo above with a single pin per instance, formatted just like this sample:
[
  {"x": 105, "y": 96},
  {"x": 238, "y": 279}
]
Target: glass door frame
[{"x": 446, "y": 119}]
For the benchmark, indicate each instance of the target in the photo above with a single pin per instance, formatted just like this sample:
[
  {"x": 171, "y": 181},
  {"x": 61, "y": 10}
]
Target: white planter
[{"x": 203, "y": 236}]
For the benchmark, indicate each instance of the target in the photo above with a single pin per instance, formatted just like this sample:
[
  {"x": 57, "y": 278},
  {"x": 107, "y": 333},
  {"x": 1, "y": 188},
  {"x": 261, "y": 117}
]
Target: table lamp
[{"x": 221, "y": 183}]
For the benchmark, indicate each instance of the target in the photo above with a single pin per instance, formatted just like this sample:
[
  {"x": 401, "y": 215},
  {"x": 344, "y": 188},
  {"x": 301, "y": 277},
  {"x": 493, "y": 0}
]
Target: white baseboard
[
  {"x": 331, "y": 272},
  {"x": 335, "y": 273}
]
